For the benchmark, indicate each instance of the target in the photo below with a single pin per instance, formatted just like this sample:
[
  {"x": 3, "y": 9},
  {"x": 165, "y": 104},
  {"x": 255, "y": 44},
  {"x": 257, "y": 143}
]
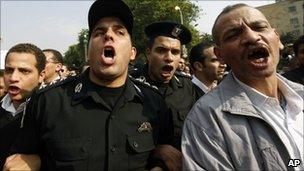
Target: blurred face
[
  {"x": 301, "y": 54},
  {"x": 21, "y": 76},
  {"x": 164, "y": 57},
  {"x": 110, "y": 51},
  {"x": 2, "y": 87},
  {"x": 248, "y": 44},
  {"x": 64, "y": 72},
  {"x": 52, "y": 68},
  {"x": 181, "y": 66},
  {"x": 212, "y": 67}
]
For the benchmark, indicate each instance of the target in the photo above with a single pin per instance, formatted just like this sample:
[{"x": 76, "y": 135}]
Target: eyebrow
[{"x": 116, "y": 26}]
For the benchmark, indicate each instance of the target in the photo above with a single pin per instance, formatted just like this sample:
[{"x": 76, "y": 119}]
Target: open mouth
[
  {"x": 167, "y": 68},
  {"x": 258, "y": 53},
  {"x": 108, "y": 55},
  {"x": 109, "y": 52},
  {"x": 13, "y": 90}
]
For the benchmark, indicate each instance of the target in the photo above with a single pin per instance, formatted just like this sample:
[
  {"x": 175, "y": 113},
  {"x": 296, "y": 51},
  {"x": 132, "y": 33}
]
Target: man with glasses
[{"x": 53, "y": 66}]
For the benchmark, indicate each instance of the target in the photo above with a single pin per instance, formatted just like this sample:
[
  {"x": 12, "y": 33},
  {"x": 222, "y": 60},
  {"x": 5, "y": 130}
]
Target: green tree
[
  {"x": 288, "y": 38},
  {"x": 75, "y": 56},
  {"x": 206, "y": 37}
]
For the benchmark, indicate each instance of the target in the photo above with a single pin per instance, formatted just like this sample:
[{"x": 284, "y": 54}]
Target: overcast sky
[{"x": 55, "y": 24}]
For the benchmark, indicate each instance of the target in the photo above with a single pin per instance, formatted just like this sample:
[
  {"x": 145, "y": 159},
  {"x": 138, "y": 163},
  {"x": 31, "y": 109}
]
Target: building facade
[{"x": 286, "y": 16}]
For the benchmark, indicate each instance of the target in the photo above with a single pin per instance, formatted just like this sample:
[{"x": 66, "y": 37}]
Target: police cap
[
  {"x": 169, "y": 29},
  {"x": 110, "y": 8}
]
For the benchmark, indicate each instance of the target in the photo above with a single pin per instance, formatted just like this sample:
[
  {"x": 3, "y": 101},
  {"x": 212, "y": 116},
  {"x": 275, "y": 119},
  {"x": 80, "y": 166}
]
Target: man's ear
[
  {"x": 58, "y": 67},
  {"x": 281, "y": 46},
  {"x": 41, "y": 76},
  {"x": 134, "y": 53},
  {"x": 198, "y": 66}
]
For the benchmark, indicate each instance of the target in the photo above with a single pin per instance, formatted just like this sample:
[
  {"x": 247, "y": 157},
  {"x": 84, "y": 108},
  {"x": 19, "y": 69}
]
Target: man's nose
[
  {"x": 15, "y": 76},
  {"x": 168, "y": 57},
  {"x": 250, "y": 37},
  {"x": 109, "y": 35}
]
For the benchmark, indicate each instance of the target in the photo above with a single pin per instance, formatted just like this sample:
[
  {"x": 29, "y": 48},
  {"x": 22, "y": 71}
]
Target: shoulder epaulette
[
  {"x": 178, "y": 74},
  {"x": 58, "y": 84},
  {"x": 142, "y": 81}
]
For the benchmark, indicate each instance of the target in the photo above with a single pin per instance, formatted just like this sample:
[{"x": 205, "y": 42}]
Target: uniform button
[
  {"x": 113, "y": 149},
  {"x": 135, "y": 144},
  {"x": 112, "y": 117}
]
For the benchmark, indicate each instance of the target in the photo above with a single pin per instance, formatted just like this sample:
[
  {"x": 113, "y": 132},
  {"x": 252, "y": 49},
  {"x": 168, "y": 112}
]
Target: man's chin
[{"x": 166, "y": 79}]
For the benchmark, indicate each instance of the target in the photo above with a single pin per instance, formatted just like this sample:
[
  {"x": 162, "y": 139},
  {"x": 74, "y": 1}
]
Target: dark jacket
[
  {"x": 9, "y": 128},
  {"x": 72, "y": 128},
  {"x": 296, "y": 75},
  {"x": 180, "y": 96}
]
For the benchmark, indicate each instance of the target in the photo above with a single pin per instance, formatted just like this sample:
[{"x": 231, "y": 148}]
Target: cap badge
[
  {"x": 145, "y": 127},
  {"x": 176, "y": 31},
  {"x": 78, "y": 87}
]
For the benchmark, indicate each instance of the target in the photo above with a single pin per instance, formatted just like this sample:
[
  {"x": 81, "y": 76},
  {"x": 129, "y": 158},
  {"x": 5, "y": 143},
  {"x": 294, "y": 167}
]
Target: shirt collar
[
  {"x": 8, "y": 105},
  {"x": 294, "y": 101},
  {"x": 200, "y": 84},
  {"x": 83, "y": 89}
]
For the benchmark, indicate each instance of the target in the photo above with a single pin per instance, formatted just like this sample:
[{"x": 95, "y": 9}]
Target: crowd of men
[{"x": 157, "y": 117}]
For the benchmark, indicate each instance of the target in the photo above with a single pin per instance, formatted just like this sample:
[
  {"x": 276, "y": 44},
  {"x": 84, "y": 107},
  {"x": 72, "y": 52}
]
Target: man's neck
[
  {"x": 268, "y": 86},
  {"x": 51, "y": 79},
  {"x": 17, "y": 103},
  {"x": 111, "y": 83},
  {"x": 206, "y": 81}
]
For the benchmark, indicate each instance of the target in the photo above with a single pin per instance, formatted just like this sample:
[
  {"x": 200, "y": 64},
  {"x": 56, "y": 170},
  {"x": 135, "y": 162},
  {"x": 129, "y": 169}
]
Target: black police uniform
[
  {"x": 180, "y": 95},
  {"x": 9, "y": 127},
  {"x": 72, "y": 128},
  {"x": 296, "y": 75}
]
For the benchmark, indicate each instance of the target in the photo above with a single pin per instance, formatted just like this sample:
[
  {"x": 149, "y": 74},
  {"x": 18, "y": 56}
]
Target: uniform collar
[{"x": 84, "y": 88}]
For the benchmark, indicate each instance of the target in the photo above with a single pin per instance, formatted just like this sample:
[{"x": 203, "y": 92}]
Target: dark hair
[
  {"x": 196, "y": 53},
  {"x": 1, "y": 73},
  {"x": 297, "y": 44},
  {"x": 57, "y": 57},
  {"x": 31, "y": 49},
  {"x": 151, "y": 41},
  {"x": 225, "y": 11}
]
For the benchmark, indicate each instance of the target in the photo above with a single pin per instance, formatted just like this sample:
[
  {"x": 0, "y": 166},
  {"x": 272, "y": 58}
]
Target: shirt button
[
  {"x": 113, "y": 149},
  {"x": 135, "y": 144}
]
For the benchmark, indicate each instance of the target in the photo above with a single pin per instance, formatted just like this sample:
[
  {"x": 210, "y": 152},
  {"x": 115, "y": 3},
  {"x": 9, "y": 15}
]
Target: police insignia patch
[
  {"x": 78, "y": 88},
  {"x": 145, "y": 127},
  {"x": 176, "y": 31}
]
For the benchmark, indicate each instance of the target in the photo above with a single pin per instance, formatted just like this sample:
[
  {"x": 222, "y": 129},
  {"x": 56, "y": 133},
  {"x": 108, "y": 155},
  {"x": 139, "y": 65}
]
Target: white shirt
[
  {"x": 200, "y": 84},
  {"x": 8, "y": 105},
  {"x": 287, "y": 123}
]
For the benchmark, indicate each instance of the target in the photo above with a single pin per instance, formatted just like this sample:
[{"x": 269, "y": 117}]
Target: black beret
[
  {"x": 169, "y": 29},
  {"x": 110, "y": 8}
]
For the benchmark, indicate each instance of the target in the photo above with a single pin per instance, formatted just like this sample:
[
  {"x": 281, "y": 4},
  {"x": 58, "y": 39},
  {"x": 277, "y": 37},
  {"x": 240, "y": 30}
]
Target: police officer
[
  {"x": 163, "y": 55},
  {"x": 101, "y": 120}
]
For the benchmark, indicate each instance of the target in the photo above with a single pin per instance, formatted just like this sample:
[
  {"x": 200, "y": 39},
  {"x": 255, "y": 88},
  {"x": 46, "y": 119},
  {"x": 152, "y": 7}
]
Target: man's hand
[
  {"x": 170, "y": 156},
  {"x": 22, "y": 162}
]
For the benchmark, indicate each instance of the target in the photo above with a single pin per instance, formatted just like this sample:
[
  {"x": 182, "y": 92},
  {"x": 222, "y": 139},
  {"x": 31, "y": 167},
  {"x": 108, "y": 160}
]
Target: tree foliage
[
  {"x": 288, "y": 38},
  {"x": 74, "y": 57}
]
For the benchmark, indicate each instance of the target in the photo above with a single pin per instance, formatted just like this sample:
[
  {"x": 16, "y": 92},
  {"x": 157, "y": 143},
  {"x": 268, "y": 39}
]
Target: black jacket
[
  {"x": 71, "y": 127},
  {"x": 296, "y": 75},
  {"x": 180, "y": 96}
]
